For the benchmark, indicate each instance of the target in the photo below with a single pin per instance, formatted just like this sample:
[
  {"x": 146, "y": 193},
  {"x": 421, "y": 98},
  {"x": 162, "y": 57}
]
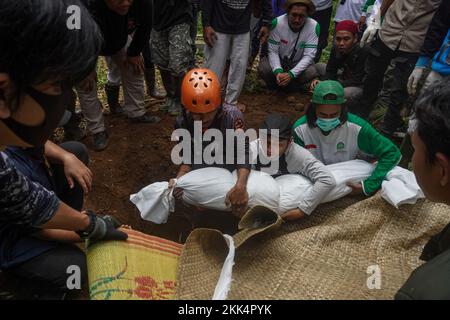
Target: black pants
[
  {"x": 48, "y": 271},
  {"x": 194, "y": 31},
  {"x": 147, "y": 55},
  {"x": 323, "y": 17},
  {"x": 72, "y": 197},
  {"x": 74, "y": 121},
  {"x": 394, "y": 84}
]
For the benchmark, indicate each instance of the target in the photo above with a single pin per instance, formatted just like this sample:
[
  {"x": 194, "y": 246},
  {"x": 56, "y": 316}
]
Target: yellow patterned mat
[{"x": 142, "y": 268}]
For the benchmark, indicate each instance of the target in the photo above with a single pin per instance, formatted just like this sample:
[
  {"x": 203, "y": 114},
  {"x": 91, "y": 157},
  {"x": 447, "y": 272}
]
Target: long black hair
[{"x": 36, "y": 44}]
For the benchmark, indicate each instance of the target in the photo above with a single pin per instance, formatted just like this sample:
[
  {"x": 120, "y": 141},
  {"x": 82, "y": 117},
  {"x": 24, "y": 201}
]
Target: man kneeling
[{"x": 287, "y": 157}]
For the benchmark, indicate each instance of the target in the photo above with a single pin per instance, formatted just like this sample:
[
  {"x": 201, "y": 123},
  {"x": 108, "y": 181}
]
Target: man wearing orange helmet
[{"x": 202, "y": 103}]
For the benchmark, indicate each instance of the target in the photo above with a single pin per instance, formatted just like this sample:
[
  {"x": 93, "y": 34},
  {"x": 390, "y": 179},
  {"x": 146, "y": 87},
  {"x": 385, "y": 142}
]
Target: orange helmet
[{"x": 200, "y": 91}]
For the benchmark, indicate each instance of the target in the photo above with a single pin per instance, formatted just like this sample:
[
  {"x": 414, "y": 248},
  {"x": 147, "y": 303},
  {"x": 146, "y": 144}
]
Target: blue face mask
[{"x": 327, "y": 125}]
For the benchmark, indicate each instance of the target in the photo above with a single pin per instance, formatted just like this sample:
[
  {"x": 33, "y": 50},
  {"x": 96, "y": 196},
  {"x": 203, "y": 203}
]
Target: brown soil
[{"x": 139, "y": 155}]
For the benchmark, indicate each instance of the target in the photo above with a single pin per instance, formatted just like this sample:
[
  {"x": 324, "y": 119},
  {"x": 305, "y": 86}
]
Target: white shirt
[
  {"x": 373, "y": 10},
  {"x": 322, "y": 4},
  {"x": 282, "y": 42},
  {"x": 350, "y": 10},
  {"x": 356, "y": 138},
  {"x": 300, "y": 161}
]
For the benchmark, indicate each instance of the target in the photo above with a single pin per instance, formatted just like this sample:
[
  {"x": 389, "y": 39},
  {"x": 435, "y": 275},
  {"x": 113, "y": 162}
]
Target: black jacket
[
  {"x": 115, "y": 28},
  {"x": 431, "y": 281},
  {"x": 437, "y": 31},
  {"x": 232, "y": 16},
  {"x": 169, "y": 13},
  {"x": 352, "y": 66}
]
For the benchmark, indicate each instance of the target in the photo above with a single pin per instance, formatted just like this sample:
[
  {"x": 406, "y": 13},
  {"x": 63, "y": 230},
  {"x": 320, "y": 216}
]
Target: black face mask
[{"x": 54, "y": 108}]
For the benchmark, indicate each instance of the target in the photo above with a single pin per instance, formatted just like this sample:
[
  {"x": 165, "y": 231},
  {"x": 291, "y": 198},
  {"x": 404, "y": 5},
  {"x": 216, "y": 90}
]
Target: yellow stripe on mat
[{"x": 142, "y": 268}]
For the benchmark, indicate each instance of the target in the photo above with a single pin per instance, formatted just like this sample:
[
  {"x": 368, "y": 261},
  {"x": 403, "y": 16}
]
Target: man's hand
[
  {"x": 88, "y": 84},
  {"x": 357, "y": 188},
  {"x": 264, "y": 34},
  {"x": 238, "y": 199},
  {"x": 75, "y": 170},
  {"x": 283, "y": 79},
  {"x": 414, "y": 79},
  {"x": 314, "y": 83},
  {"x": 177, "y": 192},
  {"x": 209, "y": 36},
  {"x": 104, "y": 228},
  {"x": 293, "y": 215},
  {"x": 136, "y": 63}
]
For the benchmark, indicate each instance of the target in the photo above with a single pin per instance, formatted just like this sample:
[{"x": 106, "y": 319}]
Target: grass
[{"x": 326, "y": 52}]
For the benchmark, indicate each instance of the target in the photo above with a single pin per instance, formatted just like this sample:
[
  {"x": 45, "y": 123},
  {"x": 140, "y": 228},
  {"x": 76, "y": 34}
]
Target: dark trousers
[
  {"x": 75, "y": 120},
  {"x": 394, "y": 84},
  {"x": 72, "y": 197},
  {"x": 257, "y": 48},
  {"x": 323, "y": 17},
  {"x": 147, "y": 54},
  {"x": 194, "y": 30},
  {"x": 48, "y": 271},
  {"x": 296, "y": 85}
]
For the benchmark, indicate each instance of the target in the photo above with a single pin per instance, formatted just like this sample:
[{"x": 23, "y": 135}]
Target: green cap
[{"x": 328, "y": 87}]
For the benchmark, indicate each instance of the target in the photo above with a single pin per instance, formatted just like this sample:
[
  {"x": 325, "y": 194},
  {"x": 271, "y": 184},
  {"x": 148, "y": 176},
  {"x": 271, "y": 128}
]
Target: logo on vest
[{"x": 340, "y": 146}]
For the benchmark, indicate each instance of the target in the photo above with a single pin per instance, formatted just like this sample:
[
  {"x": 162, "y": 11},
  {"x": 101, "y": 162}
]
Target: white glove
[
  {"x": 414, "y": 79},
  {"x": 373, "y": 25}
]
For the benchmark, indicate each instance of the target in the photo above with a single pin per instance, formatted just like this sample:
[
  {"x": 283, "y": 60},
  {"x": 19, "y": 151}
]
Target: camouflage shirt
[{"x": 24, "y": 206}]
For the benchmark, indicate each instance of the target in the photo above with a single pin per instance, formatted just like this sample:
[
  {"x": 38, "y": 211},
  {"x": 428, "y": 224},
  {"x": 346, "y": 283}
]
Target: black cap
[{"x": 276, "y": 121}]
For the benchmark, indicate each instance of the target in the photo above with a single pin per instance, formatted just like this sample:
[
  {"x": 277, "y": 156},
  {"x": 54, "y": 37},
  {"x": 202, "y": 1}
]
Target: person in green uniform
[{"x": 334, "y": 135}]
